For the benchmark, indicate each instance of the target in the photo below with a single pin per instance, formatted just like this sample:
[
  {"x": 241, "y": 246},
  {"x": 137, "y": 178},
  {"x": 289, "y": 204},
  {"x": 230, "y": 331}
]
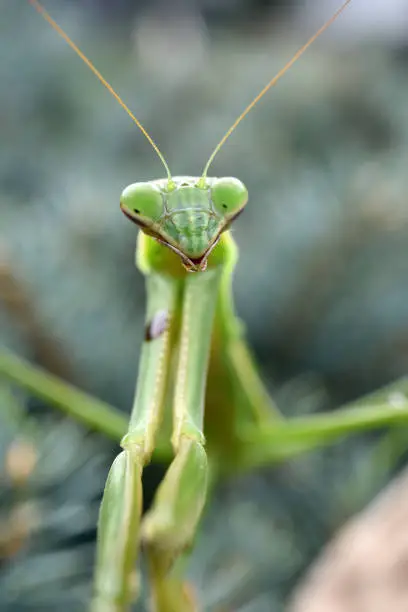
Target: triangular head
[{"x": 187, "y": 215}]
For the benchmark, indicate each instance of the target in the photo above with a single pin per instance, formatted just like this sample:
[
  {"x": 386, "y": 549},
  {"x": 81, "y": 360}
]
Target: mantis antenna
[
  {"x": 268, "y": 86},
  {"x": 104, "y": 82}
]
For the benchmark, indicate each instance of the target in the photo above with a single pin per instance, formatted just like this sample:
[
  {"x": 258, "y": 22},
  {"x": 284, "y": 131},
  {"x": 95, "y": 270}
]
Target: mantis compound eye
[
  {"x": 142, "y": 202},
  {"x": 229, "y": 196}
]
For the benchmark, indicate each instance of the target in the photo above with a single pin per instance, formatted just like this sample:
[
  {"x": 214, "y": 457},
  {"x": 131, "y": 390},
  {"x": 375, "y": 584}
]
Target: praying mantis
[{"x": 192, "y": 335}]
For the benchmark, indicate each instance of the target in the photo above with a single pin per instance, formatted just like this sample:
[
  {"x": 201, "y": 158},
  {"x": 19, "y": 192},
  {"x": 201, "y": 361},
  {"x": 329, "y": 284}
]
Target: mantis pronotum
[{"x": 187, "y": 254}]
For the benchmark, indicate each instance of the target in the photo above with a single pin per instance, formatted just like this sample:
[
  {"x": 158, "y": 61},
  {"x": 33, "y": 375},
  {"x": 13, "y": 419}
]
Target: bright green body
[
  {"x": 231, "y": 400},
  {"x": 196, "y": 387}
]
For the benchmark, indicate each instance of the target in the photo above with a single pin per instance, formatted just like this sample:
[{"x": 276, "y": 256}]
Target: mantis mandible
[{"x": 187, "y": 254}]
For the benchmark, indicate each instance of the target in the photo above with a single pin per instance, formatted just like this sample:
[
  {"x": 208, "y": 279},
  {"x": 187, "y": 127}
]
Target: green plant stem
[{"x": 94, "y": 413}]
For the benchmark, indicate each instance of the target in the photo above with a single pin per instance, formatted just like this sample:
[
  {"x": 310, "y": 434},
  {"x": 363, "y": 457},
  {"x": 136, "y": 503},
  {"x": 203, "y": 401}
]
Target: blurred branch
[{"x": 20, "y": 306}]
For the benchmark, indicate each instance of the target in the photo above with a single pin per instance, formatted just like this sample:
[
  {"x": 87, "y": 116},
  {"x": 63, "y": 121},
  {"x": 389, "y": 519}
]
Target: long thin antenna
[
  {"x": 271, "y": 83},
  {"x": 104, "y": 82}
]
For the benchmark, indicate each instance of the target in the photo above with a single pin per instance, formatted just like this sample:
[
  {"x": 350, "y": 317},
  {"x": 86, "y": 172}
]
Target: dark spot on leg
[{"x": 157, "y": 326}]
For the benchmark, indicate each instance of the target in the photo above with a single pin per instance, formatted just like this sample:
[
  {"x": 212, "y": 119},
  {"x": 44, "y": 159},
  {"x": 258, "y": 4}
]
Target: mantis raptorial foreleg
[
  {"x": 170, "y": 526},
  {"x": 119, "y": 519},
  {"x": 180, "y": 314},
  {"x": 162, "y": 293},
  {"x": 118, "y": 533},
  {"x": 172, "y": 522}
]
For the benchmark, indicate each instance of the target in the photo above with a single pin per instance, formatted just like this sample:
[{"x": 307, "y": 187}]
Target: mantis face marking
[{"x": 187, "y": 216}]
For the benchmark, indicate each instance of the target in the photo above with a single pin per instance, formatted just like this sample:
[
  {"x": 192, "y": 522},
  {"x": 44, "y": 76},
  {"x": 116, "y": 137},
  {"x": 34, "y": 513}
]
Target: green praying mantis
[{"x": 192, "y": 337}]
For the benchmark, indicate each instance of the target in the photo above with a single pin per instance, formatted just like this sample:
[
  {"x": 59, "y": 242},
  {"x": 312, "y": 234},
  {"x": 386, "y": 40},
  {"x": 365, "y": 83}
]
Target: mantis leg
[
  {"x": 118, "y": 529},
  {"x": 170, "y": 526},
  {"x": 242, "y": 370},
  {"x": 236, "y": 396}
]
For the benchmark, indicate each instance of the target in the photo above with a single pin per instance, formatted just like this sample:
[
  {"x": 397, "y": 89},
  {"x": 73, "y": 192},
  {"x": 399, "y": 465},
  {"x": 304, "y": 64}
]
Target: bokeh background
[{"x": 321, "y": 282}]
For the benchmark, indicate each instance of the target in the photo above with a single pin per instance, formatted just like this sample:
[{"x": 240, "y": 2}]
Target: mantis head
[{"x": 187, "y": 215}]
